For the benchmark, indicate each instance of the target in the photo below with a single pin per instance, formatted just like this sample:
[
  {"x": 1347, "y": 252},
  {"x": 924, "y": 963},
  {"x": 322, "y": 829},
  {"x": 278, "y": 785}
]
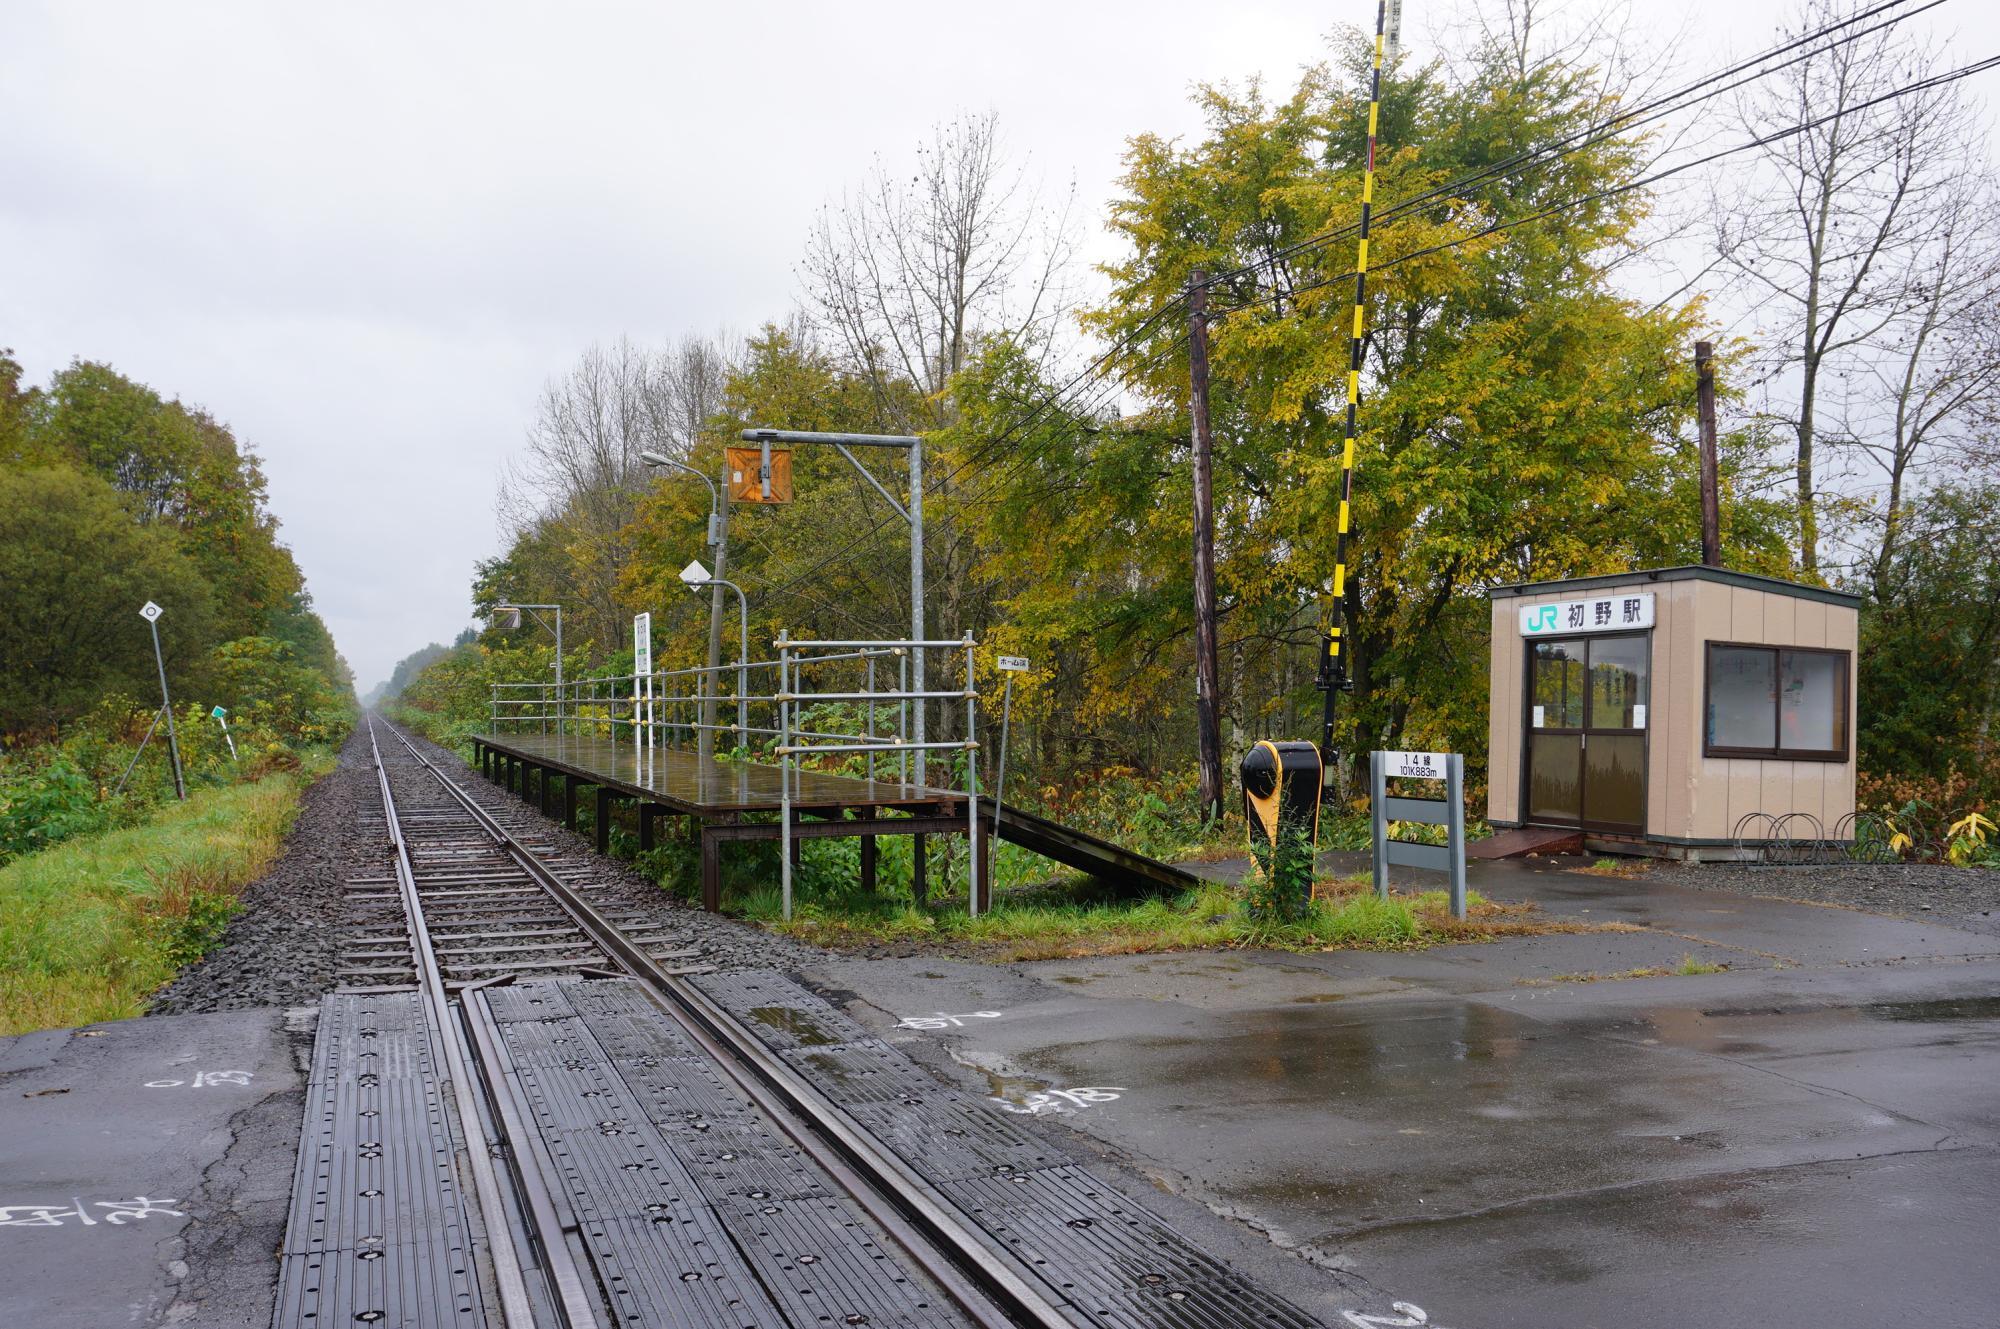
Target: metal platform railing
[{"x": 813, "y": 688}]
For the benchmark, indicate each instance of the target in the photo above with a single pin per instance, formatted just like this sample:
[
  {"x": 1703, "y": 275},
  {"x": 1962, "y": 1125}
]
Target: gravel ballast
[
  {"x": 1966, "y": 898},
  {"x": 282, "y": 947}
]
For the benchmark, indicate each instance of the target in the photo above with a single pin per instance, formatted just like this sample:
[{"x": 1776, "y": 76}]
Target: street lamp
[
  {"x": 718, "y": 539},
  {"x": 695, "y": 577},
  {"x": 508, "y": 616}
]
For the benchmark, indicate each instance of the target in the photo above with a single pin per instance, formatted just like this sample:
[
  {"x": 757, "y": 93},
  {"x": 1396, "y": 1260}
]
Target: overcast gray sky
[{"x": 366, "y": 234}]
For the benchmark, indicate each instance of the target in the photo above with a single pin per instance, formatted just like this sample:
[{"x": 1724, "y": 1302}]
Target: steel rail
[
  {"x": 974, "y": 1274},
  {"x": 517, "y": 1306}
]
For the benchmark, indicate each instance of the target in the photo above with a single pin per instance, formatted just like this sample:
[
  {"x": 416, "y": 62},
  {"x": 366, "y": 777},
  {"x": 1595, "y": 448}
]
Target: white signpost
[
  {"x": 1604, "y": 613},
  {"x": 1010, "y": 665},
  {"x": 642, "y": 678}
]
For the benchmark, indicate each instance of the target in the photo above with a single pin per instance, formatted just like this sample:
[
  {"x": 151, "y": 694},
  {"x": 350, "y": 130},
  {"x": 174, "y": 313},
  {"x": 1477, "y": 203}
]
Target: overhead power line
[
  {"x": 1645, "y": 113},
  {"x": 1596, "y": 196}
]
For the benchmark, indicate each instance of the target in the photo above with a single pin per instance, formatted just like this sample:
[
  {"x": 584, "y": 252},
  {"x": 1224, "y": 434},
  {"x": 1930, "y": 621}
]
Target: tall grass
[{"x": 89, "y": 928}]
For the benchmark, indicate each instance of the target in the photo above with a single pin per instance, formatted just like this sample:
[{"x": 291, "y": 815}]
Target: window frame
[{"x": 1775, "y": 752}]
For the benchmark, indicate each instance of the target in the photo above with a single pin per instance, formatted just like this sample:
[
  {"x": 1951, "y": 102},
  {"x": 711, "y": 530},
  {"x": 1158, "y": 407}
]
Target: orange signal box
[{"x": 746, "y": 483}]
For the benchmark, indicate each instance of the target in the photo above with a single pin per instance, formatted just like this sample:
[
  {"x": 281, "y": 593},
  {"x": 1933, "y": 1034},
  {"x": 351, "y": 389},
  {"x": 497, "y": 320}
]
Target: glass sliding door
[{"x": 1586, "y": 748}]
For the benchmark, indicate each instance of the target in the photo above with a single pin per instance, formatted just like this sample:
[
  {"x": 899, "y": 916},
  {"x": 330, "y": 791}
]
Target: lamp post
[
  {"x": 516, "y": 611},
  {"x": 695, "y": 577},
  {"x": 151, "y": 613},
  {"x": 718, "y": 539}
]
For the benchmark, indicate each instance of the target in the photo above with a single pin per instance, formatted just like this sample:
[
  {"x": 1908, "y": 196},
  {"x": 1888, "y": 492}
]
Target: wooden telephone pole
[
  {"x": 1711, "y": 483},
  {"x": 1206, "y": 672}
]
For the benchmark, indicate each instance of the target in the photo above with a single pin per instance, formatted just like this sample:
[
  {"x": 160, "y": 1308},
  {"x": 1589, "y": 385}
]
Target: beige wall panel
[
  {"x": 1777, "y": 787},
  {"x": 1779, "y": 620},
  {"x": 1837, "y": 800},
  {"x": 1705, "y": 781},
  {"x": 1809, "y": 625},
  {"x": 1843, "y": 627},
  {"x": 1746, "y": 614},
  {"x": 1503, "y": 727},
  {"x": 1809, "y": 792},
  {"x": 1672, "y": 609},
  {"x": 1745, "y": 782}
]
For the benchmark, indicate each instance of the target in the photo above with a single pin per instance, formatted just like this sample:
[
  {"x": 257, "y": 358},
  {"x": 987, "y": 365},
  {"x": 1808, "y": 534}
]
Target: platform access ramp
[{"x": 1083, "y": 851}]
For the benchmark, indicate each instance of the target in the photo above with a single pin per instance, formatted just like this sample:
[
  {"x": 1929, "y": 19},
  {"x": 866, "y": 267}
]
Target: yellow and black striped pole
[{"x": 1333, "y": 679}]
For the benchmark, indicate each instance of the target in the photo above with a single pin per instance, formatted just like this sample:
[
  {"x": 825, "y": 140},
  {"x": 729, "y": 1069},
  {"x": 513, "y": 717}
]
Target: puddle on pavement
[
  {"x": 797, "y": 1023},
  {"x": 1008, "y": 1086},
  {"x": 1316, "y": 998}
]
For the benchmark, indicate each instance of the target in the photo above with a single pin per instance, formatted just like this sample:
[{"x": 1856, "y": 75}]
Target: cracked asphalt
[{"x": 1810, "y": 1137}]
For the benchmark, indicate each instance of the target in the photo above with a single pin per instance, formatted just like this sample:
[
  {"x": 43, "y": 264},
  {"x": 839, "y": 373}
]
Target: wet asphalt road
[{"x": 1811, "y": 1138}]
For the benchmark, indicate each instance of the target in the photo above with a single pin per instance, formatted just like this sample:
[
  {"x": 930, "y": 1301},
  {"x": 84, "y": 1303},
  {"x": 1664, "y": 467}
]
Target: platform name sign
[
  {"x": 1416, "y": 765},
  {"x": 642, "y": 643},
  {"x": 1017, "y": 664},
  {"x": 1603, "y": 613}
]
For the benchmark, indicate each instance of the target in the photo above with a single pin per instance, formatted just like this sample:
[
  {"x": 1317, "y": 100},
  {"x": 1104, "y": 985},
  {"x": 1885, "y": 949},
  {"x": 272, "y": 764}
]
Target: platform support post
[
  {"x": 646, "y": 811},
  {"x": 868, "y": 852},
  {"x": 983, "y": 852},
  {"x": 603, "y": 826},
  {"x": 711, "y": 871},
  {"x": 920, "y": 887},
  {"x": 569, "y": 801}
]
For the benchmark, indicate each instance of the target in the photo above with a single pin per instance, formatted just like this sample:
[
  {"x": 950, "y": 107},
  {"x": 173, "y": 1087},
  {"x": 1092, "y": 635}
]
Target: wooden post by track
[{"x": 1207, "y": 676}]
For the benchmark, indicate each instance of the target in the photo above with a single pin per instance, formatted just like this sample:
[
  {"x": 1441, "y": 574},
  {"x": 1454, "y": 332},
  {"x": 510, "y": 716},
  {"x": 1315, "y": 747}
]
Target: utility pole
[
  {"x": 1711, "y": 482},
  {"x": 1207, "y": 719},
  {"x": 1333, "y": 677}
]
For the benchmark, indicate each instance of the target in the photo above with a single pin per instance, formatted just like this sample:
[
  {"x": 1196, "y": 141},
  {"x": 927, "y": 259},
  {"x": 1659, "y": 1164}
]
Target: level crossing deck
[{"x": 735, "y": 800}]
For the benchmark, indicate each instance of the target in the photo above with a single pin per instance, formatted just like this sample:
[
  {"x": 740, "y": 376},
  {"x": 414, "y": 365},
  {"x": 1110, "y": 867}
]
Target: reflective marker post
[
  {"x": 151, "y": 613},
  {"x": 222, "y": 718}
]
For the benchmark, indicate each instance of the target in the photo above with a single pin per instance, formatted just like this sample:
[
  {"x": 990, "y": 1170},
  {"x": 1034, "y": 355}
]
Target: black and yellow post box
[{"x": 1281, "y": 788}]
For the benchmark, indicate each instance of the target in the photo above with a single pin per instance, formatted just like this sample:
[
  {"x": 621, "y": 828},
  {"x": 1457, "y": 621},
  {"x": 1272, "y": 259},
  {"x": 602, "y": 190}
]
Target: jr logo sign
[{"x": 1604, "y": 613}]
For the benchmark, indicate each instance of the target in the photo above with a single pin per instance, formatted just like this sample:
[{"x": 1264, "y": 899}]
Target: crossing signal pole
[
  {"x": 1207, "y": 675},
  {"x": 1333, "y": 677}
]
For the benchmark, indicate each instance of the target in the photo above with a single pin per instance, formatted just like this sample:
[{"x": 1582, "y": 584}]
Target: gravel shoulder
[
  {"x": 282, "y": 946},
  {"x": 1967, "y": 898}
]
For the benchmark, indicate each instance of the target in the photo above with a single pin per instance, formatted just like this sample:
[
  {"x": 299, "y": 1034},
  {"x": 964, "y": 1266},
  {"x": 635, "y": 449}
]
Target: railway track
[
  {"x": 486, "y": 915},
  {"x": 535, "y": 1108},
  {"x": 472, "y": 903}
]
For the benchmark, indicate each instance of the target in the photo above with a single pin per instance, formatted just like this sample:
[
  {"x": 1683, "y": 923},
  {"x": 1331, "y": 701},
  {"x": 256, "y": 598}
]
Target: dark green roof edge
[{"x": 1748, "y": 580}]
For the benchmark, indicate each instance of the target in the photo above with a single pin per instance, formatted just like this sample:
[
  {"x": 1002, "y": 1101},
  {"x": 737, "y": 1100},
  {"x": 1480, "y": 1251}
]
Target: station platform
[
  {"x": 738, "y": 800},
  {"x": 149, "y": 1169}
]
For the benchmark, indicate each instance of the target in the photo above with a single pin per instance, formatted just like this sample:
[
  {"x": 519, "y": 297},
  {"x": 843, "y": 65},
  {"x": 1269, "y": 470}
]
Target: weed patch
[
  {"x": 1069, "y": 920},
  {"x": 89, "y": 928},
  {"x": 1688, "y": 967}
]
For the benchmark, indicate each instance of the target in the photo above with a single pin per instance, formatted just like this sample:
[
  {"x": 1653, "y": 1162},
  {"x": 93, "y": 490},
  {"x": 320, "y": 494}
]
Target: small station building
[{"x": 1678, "y": 712}]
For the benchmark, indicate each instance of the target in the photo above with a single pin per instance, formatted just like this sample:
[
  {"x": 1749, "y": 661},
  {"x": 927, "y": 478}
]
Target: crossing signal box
[
  {"x": 1281, "y": 784},
  {"x": 748, "y": 482}
]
